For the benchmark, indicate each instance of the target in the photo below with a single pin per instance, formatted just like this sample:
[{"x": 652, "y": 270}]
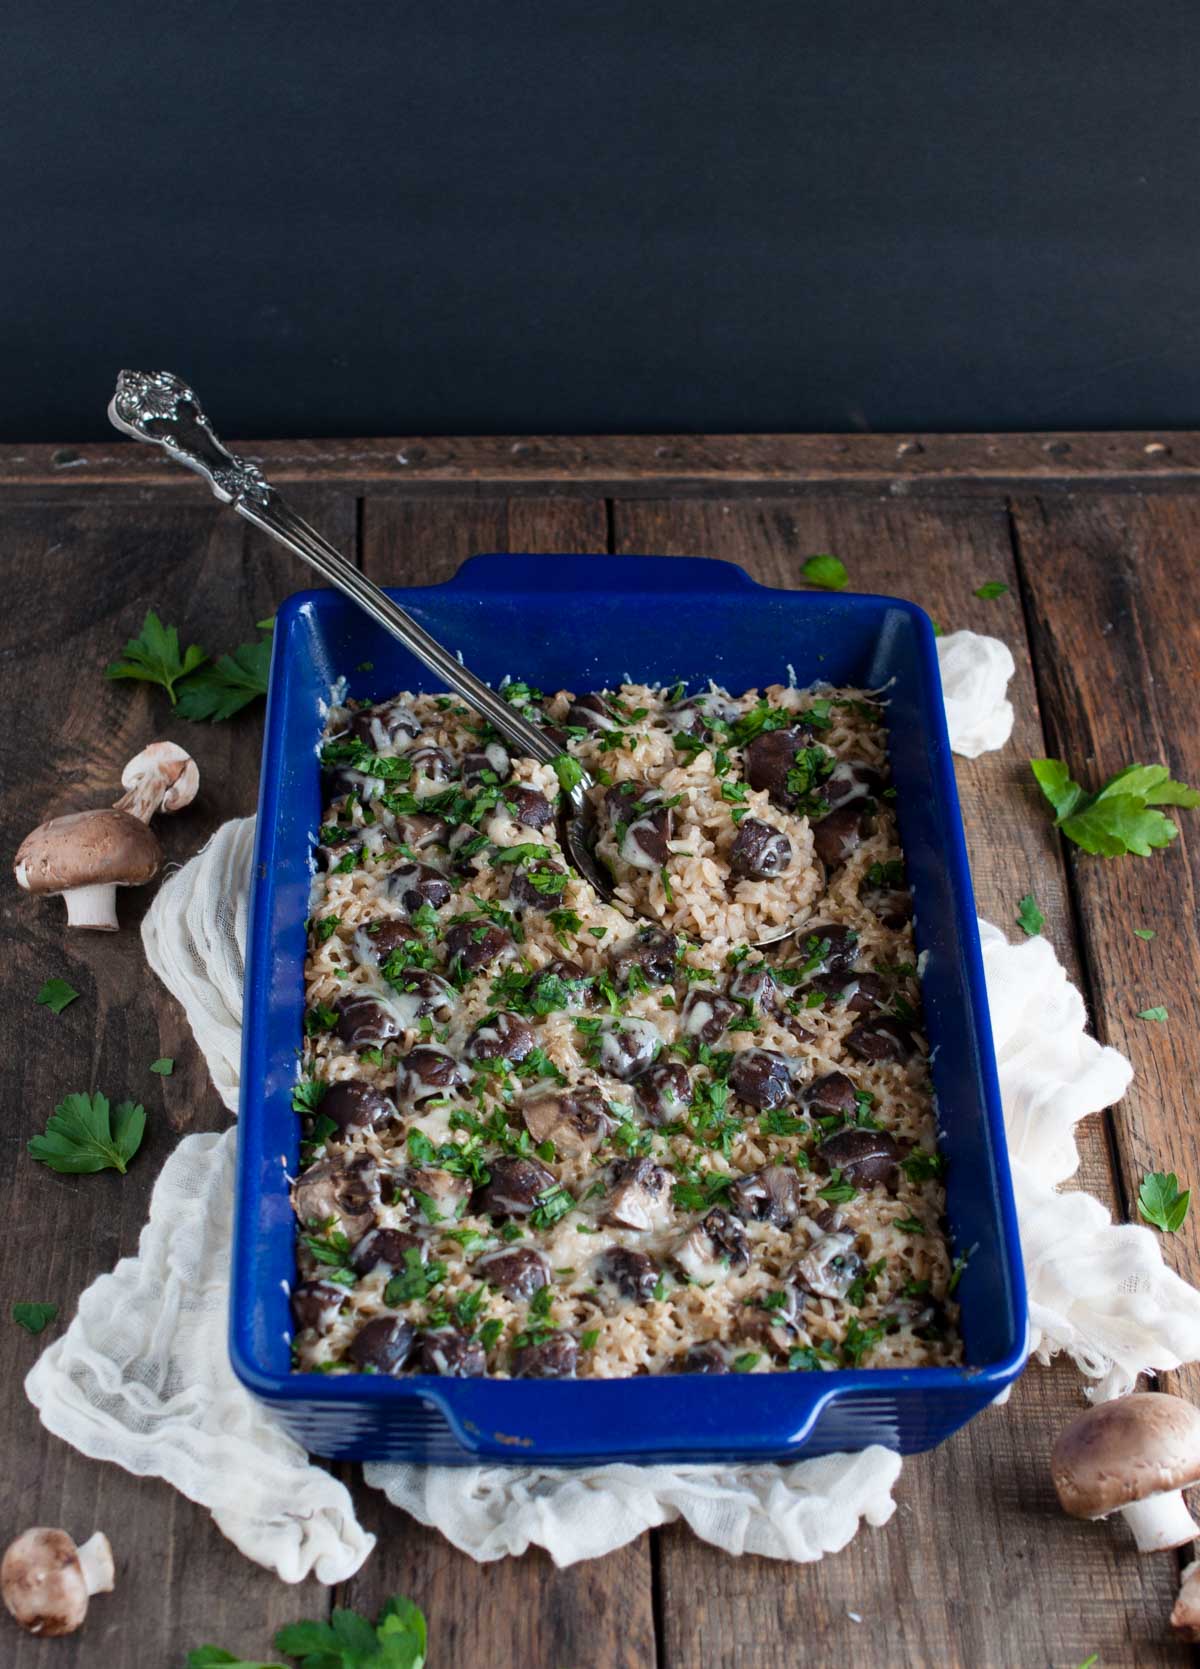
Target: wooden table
[{"x": 1097, "y": 538}]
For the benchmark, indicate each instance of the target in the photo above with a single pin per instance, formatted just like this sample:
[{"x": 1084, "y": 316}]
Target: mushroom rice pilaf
[{"x": 543, "y": 1139}]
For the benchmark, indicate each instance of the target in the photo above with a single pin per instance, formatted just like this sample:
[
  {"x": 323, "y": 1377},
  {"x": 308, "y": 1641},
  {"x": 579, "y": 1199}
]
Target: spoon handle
[{"x": 159, "y": 408}]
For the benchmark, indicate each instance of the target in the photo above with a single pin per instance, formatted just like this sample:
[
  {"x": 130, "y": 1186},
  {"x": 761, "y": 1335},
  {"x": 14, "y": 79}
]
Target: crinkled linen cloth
[{"x": 141, "y": 1376}]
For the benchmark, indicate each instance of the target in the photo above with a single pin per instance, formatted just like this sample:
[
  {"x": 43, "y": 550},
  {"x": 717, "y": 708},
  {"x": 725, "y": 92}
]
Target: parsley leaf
[
  {"x": 1160, "y": 1201},
  {"x": 153, "y": 657},
  {"x": 825, "y": 571},
  {"x": 990, "y": 589},
  {"x": 568, "y": 771},
  {"x": 1152, "y": 1013},
  {"x": 81, "y": 1137},
  {"x": 34, "y": 1318},
  {"x": 1146, "y": 933},
  {"x": 164, "y": 1066},
  {"x": 348, "y": 1641},
  {"x": 229, "y": 685},
  {"x": 216, "y": 1657},
  {"x": 56, "y": 994},
  {"x": 1029, "y": 918},
  {"x": 1121, "y": 816}
]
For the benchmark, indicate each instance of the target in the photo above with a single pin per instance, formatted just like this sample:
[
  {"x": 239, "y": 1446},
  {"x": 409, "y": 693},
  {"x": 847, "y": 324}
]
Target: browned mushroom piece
[
  {"x": 832, "y": 1093},
  {"x": 830, "y": 1266},
  {"x": 344, "y": 1194},
  {"x": 775, "y": 1325},
  {"x": 865, "y": 1158},
  {"x": 626, "y": 1046},
  {"x": 382, "y": 1346},
  {"x": 892, "y": 905},
  {"x": 427, "y": 1070},
  {"x": 760, "y": 851},
  {"x": 859, "y": 993},
  {"x": 639, "y": 1197},
  {"x": 706, "y": 1015},
  {"x": 631, "y": 1274},
  {"x": 770, "y": 760},
  {"x": 528, "y": 806},
  {"x": 500, "y": 1036},
  {"x": 700, "y": 714},
  {"x": 552, "y": 1358},
  {"x": 702, "y": 1358},
  {"x": 828, "y": 947},
  {"x": 418, "y": 831},
  {"x": 761, "y": 1077},
  {"x": 475, "y": 944},
  {"x": 651, "y": 953},
  {"x": 880, "y": 1040},
  {"x": 363, "y": 1022},
  {"x": 85, "y": 856},
  {"x": 381, "y": 938},
  {"x": 517, "y": 1271},
  {"x": 485, "y": 767},
  {"x": 1134, "y": 1455},
  {"x": 839, "y": 834},
  {"x": 514, "y": 1188},
  {"x": 663, "y": 1092},
  {"x": 315, "y": 1304},
  {"x": 46, "y": 1580},
  {"x": 561, "y": 984},
  {"x": 771, "y": 1195},
  {"x": 413, "y": 885},
  {"x": 354, "y": 1105},
  {"x": 384, "y": 726},
  {"x": 753, "y": 984},
  {"x": 387, "y": 1248},
  {"x": 416, "y": 992},
  {"x": 576, "y": 1121},
  {"x": 591, "y": 712},
  {"x": 712, "y": 1248},
  {"x": 851, "y": 779},
  {"x": 443, "y": 1351},
  {"x": 432, "y": 763},
  {"x": 536, "y": 885}
]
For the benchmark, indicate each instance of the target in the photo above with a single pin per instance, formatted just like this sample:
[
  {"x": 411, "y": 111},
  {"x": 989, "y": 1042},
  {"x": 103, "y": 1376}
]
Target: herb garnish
[
  {"x": 828, "y": 572},
  {"x": 1161, "y": 1202},
  {"x": 1119, "y": 818},
  {"x": 56, "y": 995},
  {"x": 231, "y": 683},
  {"x": 1152, "y": 1013},
  {"x": 83, "y": 1137},
  {"x": 153, "y": 657},
  {"x": 990, "y": 589},
  {"x": 396, "y": 1640},
  {"x": 34, "y": 1318},
  {"x": 1029, "y": 918}
]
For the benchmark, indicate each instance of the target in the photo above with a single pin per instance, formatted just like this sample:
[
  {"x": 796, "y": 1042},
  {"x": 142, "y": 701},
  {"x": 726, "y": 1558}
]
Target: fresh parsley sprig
[
  {"x": 1161, "y": 1202},
  {"x": 1122, "y": 816},
  {"x": 83, "y": 1136},
  {"x": 395, "y": 1640},
  {"x": 153, "y": 657},
  {"x": 230, "y": 684}
]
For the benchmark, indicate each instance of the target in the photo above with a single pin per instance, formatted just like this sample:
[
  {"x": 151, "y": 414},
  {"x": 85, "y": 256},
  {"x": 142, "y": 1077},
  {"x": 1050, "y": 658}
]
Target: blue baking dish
[{"x": 583, "y": 622}]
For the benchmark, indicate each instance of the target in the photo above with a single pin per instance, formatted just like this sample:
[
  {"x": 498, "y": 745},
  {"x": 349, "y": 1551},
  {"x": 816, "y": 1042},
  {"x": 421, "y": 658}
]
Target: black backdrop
[{"x": 388, "y": 218}]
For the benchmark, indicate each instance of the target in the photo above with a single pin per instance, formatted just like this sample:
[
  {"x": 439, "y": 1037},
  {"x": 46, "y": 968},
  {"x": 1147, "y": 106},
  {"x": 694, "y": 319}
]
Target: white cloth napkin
[{"x": 141, "y": 1375}]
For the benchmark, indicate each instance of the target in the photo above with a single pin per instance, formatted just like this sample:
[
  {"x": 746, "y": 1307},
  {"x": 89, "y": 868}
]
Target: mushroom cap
[
  {"x": 1127, "y": 1450},
  {"x": 43, "y": 1583},
  {"x": 172, "y": 767},
  {"x": 1185, "y": 1618},
  {"x": 85, "y": 849}
]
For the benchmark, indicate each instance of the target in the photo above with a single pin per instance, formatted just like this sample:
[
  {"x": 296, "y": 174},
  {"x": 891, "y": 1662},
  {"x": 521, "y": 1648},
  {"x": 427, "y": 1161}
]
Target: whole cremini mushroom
[
  {"x": 1136, "y": 1456},
  {"x": 86, "y": 855},
  {"x": 46, "y": 1580},
  {"x": 1185, "y": 1617}
]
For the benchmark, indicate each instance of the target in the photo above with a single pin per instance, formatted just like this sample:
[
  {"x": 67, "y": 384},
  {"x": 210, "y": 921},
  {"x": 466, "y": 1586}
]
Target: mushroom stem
[
  {"x": 96, "y": 1563},
  {"x": 1161, "y": 1522},
  {"x": 163, "y": 777},
  {"x": 92, "y": 907}
]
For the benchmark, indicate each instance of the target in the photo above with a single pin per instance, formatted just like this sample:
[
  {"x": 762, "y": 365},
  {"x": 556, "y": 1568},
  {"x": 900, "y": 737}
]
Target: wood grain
[
  {"x": 516, "y": 1612},
  {"x": 1114, "y": 599},
  {"x": 96, "y": 571},
  {"x": 649, "y": 465},
  {"x": 927, "y": 1588}
]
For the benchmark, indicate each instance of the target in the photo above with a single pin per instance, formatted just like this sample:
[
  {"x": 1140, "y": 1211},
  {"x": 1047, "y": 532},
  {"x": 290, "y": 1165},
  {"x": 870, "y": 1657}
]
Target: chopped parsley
[
  {"x": 1162, "y": 1202},
  {"x": 827, "y": 572},
  {"x": 1029, "y": 918},
  {"x": 56, "y": 995}
]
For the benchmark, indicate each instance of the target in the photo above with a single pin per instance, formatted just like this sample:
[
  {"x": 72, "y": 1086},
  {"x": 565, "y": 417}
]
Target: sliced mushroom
[
  {"x": 444, "y": 1190},
  {"x": 354, "y": 1105},
  {"x": 706, "y": 1015},
  {"x": 839, "y": 834},
  {"x": 386, "y": 1248},
  {"x": 413, "y": 885},
  {"x": 576, "y": 1121},
  {"x": 713, "y": 1248},
  {"x": 702, "y": 1358},
  {"x": 771, "y": 1195},
  {"x": 364, "y": 1022},
  {"x": 761, "y": 1077},
  {"x": 432, "y": 763},
  {"x": 552, "y": 1358},
  {"x": 46, "y": 1580},
  {"x": 514, "y": 1188},
  {"x": 443, "y": 1351},
  {"x": 865, "y": 1158},
  {"x": 830, "y": 1266},
  {"x": 663, "y": 1092},
  {"x": 385, "y": 726},
  {"x": 882, "y": 1039},
  {"x": 315, "y": 1304},
  {"x": 527, "y": 805},
  {"x": 537, "y": 885},
  {"x": 632, "y": 1274},
  {"x": 518, "y": 1271},
  {"x": 639, "y": 1197},
  {"x": 753, "y": 984},
  {"x": 377, "y": 940},
  {"x": 383, "y": 1345},
  {"x": 760, "y": 851},
  {"x": 333, "y": 1190},
  {"x": 770, "y": 759},
  {"x": 485, "y": 767},
  {"x": 501, "y": 1036},
  {"x": 828, "y": 947},
  {"x": 830, "y": 1094},
  {"x": 651, "y": 952},
  {"x": 859, "y": 993},
  {"x": 475, "y": 944},
  {"x": 428, "y": 1070},
  {"x": 627, "y": 1045}
]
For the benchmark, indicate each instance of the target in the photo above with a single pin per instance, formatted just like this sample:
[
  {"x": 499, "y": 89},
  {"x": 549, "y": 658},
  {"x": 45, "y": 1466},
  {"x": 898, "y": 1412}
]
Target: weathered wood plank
[
  {"x": 651, "y": 465},
  {"x": 978, "y": 1566},
  {"x": 1114, "y": 601},
  {"x": 514, "y": 1612},
  {"x": 94, "y": 571}
]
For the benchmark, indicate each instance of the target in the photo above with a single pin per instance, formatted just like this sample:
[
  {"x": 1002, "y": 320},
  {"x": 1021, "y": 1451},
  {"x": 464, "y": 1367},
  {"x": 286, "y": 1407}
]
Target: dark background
[{"x": 387, "y": 218}]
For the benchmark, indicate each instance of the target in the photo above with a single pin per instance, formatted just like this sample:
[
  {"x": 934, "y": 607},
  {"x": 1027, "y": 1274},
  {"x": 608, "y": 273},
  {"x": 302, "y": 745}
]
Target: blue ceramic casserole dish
[{"x": 582, "y": 622}]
